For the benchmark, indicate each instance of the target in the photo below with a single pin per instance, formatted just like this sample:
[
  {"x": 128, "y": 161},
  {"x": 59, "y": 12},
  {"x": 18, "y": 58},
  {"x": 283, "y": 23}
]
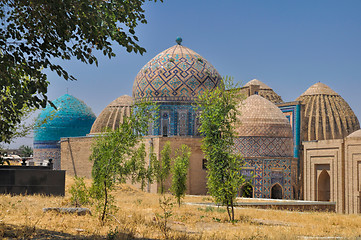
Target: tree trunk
[
  {"x": 232, "y": 210},
  {"x": 229, "y": 213},
  {"x": 105, "y": 201}
]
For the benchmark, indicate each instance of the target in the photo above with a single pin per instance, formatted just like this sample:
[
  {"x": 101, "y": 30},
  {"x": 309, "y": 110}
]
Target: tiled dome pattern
[
  {"x": 113, "y": 114},
  {"x": 262, "y": 89},
  {"x": 176, "y": 74},
  {"x": 326, "y": 114}
]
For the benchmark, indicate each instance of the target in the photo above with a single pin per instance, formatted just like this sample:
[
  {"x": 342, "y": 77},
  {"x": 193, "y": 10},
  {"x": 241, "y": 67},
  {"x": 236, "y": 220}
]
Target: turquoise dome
[{"x": 72, "y": 118}]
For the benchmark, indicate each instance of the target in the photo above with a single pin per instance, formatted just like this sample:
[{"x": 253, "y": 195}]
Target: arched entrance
[
  {"x": 323, "y": 186},
  {"x": 276, "y": 191},
  {"x": 246, "y": 191}
]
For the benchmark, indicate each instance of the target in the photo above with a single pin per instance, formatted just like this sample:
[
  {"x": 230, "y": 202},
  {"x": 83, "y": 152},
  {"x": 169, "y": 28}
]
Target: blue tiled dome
[
  {"x": 176, "y": 74},
  {"x": 72, "y": 118}
]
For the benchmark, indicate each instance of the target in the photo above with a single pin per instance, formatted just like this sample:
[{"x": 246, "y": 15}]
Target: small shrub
[
  {"x": 79, "y": 193},
  {"x": 166, "y": 205}
]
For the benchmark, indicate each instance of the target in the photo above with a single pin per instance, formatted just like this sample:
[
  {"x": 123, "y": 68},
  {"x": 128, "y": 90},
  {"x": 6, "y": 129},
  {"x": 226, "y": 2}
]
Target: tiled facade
[
  {"x": 175, "y": 120},
  {"x": 267, "y": 172},
  {"x": 43, "y": 151}
]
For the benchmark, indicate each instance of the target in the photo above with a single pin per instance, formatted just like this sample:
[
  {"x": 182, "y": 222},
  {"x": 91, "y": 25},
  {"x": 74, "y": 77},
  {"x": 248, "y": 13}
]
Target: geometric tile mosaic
[
  {"x": 264, "y": 146},
  {"x": 269, "y": 172},
  {"x": 176, "y": 74}
]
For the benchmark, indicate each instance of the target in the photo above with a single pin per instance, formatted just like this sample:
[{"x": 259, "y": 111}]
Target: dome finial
[{"x": 179, "y": 40}]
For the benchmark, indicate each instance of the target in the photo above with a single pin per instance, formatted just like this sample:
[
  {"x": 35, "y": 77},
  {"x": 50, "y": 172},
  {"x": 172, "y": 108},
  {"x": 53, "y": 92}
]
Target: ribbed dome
[
  {"x": 260, "y": 117},
  {"x": 356, "y": 134},
  {"x": 263, "y": 131},
  {"x": 71, "y": 118},
  {"x": 176, "y": 74},
  {"x": 326, "y": 114},
  {"x": 257, "y": 87},
  {"x": 113, "y": 114}
]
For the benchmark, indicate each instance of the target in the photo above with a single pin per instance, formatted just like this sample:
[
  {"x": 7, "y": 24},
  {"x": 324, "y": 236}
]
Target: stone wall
[
  {"x": 196, "y": 181},
  {"x": 353, "y": 175},
  {"x": 324, "y": 172},
  {"x": 75, "y": 153}
]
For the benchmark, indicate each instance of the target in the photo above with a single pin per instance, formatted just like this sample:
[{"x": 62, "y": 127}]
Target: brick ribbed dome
[
  {"x": 263, "y": 131},
  {"x": 176, "y": 74},
  {"x": 326, "y": 114},
  {"x": 262, "y": 89},
  {"x": 113, "y": 114},
  {"x": 260, "y": 117}
]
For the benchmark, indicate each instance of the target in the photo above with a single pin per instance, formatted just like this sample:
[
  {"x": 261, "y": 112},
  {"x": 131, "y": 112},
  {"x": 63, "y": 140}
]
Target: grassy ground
[{"x": 138, "y": 217}]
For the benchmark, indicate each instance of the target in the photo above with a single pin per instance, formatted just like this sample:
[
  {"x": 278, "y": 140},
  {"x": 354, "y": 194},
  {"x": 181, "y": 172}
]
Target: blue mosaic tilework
[
  {"x": 176, "y": 74},
  {"x": 264, "y": 146},
  {"x": 46, "y": 144},
  {"x": 42, "y": 154},
  {"x": 72, "y": 118},
  {"x": 293, "y": 114},
  {"x": 268, "y": 172},
  {"x": 180, "y": 120}
]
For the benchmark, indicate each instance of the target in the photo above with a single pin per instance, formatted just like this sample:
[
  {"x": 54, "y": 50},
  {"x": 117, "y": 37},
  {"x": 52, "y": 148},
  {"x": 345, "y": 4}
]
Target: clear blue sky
[{"x": 289, "y": 45}]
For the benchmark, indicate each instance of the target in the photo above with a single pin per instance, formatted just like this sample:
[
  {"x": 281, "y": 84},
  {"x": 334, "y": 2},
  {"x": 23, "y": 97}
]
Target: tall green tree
[
  {"x": 35, "y": 34},
  {"x": 218, "y": 121},
  {"x": 162, "y": 168},
  {"x": 140, "y": 171},
  {"x": 114, "y": 152},
  {"x": 179, "y": 172}
]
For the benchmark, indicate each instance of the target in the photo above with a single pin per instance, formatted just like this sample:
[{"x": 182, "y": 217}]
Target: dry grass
[{"x": 22, "y": 217}]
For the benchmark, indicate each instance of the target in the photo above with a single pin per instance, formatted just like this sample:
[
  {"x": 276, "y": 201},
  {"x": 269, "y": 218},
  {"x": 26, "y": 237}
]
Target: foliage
[
  {"x": 26, "y": 151},
  {"x": 180, "y": 172},
  {"x": 19, "y": 129},
  {"x": 138, "y": 170},
  {"x": 162, "y": 168},
  {"x": 166, "y": 205},
  {"x": 247, "y": 190},
  {"x": 34, "y": 35},
  {"x": 218, "y": 120},
  {"x": 112, "y": 151},
  {"x": 79, "y": 193}
]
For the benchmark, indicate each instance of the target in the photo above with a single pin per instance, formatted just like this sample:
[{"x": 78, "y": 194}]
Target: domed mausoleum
[
  {"x": 174, "y": 79},
  {"x": 113, "y": 115},
  {"x": 265, "y": 141},
  {"x": 71, "y": 118},
  {"x": 259, "y": 88},
  {"x": 326, "y": 114}
]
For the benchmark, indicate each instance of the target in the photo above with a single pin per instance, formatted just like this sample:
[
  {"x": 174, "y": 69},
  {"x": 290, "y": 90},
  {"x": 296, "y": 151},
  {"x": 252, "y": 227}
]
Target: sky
[{"x": 289, "y": 45}]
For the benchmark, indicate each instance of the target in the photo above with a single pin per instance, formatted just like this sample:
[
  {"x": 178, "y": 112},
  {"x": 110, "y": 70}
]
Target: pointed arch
[
  {"x": 276, "y": 191},
  {"x": 246, "y": 190},
  {"x": 323, "y": 186}
]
